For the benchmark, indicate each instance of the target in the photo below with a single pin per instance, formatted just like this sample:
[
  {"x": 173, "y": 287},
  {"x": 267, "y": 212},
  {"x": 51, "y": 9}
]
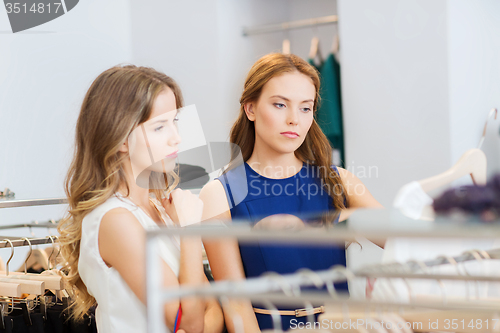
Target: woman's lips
[
  {"x": 173, "y": 155},
  {"x": 291, "y": 135}
]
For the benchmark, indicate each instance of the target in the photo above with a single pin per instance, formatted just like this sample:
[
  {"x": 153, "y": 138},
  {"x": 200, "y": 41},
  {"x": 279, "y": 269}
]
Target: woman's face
[
  {"x": 153, "y": 145},
  {"x": 284, "y": 112}
]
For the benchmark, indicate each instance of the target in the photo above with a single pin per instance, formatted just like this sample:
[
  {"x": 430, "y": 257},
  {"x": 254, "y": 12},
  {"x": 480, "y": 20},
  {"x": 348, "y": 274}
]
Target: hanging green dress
[{"x": 329, "y": 115}]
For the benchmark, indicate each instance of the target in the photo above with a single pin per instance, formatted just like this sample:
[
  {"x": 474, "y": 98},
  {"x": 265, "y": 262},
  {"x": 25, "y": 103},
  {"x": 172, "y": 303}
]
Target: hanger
[
  {"x": 492, "y": 111},
  {"x": 472, "y": 162},
  {"x": 335, "y": 44},
  {"x": 315, "y": 50},
  {"x": 38, "y": 260},
  {"x": 25, "y": 286},
  {"x": 51, "y": 282},
  {"x": 59, "y": 288},
  {"x": 285, "y": 47}
]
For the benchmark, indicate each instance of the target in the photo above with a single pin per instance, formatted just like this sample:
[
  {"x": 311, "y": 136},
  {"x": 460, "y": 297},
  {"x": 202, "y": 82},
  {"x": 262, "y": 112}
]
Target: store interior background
[{"x": 418, "y": 80}]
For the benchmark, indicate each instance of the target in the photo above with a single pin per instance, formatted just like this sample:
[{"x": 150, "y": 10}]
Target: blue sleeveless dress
[{"x": 252, "y": 197}]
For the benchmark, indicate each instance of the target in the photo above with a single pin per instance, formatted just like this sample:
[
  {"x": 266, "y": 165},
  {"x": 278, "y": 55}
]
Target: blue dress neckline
[{"x": 247, "y": 166}]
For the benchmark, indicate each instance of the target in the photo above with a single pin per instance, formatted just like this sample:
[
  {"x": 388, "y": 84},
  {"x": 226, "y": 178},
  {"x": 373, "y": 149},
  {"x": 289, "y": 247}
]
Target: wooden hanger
[
  {"x": 285, "y": 49},
  {"x": 25, "y": 286},
  {"x": 51, "y": 281},
  {"x": 315, "y": 51},
  {"x": 335, "y": 44},
  {"x": 472, "y": 162}
]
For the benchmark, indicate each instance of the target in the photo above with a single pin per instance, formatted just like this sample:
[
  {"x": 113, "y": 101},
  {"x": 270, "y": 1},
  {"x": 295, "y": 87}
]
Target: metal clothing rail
[
  {"x": 17, "y": 242},
  {"x": 334, "y": 235},
  {"x": 30, "y": 225},
  {"x": 403, "y": 270},
  {"x": 331, "y": 19},
  {"x": 275, "y": 282},
  {"x": 32, "y": 202},
  {"x": 251, "y": 288}
]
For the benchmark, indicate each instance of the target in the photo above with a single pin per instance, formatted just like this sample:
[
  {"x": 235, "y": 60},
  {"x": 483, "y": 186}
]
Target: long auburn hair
[
  {"x": 119, "y": 99},
  {"x": 315, "y": 149}
]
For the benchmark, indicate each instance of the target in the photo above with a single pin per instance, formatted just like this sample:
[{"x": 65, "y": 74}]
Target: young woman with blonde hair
[
  {"x": 126, "y": 144},
  {"x": 289, "y": 176}
]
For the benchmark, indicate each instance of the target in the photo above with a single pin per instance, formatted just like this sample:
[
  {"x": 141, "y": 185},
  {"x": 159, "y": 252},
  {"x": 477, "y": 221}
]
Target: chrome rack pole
[
  {"x": 154, "y": 304},
  {"x": 29, "y": 225},
  {"x": 32, "y": 202},
  {"x": 17, "y": 242},
  {"x": 247, "y": 31}
]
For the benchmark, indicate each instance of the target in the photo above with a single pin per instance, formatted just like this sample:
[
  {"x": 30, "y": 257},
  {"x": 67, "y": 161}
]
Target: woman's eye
[
  {"x": 159, "y": 128},
  {"x": 176, "y": 119},
  {"x": 306, "y": 110},
  {"x": 279, "y": 105}
]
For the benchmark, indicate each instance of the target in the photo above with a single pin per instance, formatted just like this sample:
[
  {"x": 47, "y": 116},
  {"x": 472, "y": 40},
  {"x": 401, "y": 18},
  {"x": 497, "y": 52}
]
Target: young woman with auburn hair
[
  {"x": 285, "y": 152},
  {"x": 126, "y": 144}
]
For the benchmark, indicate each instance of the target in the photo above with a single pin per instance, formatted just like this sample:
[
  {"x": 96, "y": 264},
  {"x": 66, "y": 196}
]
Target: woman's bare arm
[
  {"x": 358, "y": 197},
  {"x": 122, "y": 246},
  {"x": 224, "y": 256}
]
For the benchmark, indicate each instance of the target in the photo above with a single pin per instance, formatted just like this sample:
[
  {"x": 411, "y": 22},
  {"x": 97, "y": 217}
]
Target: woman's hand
[{"x": 183, "y": 207}]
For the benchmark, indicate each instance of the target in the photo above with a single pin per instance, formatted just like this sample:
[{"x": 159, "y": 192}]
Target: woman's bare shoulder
[{"x": 214, "y": 199}]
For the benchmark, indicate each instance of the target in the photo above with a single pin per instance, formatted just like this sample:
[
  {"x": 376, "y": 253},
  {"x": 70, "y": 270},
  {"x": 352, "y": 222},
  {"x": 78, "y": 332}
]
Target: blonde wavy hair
[{"x": 119, "y": 99}]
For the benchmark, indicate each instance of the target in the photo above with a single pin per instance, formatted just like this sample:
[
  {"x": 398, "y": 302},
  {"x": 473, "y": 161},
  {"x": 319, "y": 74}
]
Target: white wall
[
  {"x": 44, "y": 74},
  {"x": 200, "y": 44},
  {"x": 474, "y": 80},
  {"x": 395, "y": 90}
]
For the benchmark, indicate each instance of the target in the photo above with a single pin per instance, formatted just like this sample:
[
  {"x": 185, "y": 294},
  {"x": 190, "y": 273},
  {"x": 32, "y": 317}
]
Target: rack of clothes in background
[
  {"x": 329, "y": 114},
  {"x": 392, "y": 310},
  {"x": 34, "y": 297}
]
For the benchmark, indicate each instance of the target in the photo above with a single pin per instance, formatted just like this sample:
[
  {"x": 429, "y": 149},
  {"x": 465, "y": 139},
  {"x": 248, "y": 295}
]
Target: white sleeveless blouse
[{"x": 118, "y": 310}]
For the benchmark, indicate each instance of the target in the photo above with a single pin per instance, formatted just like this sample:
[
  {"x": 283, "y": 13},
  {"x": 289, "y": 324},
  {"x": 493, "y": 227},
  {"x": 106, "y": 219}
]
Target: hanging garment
[
  {"x": 329, "y": 114},
  {"x": 411, "y": 200},
  {"x": 119, "y": 310},
  {"x": 297, "y": 195}
]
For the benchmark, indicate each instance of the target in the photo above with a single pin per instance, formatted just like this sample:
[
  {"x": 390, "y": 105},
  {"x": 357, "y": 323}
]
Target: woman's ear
[
  {"x": 124, "y": 147},
  {"x": 249, "y": 111}
]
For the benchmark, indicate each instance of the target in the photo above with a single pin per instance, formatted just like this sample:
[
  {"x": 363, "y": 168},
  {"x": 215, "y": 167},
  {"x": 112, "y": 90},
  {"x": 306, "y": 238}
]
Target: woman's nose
[
  {"x": 292, "y": 117},
  {"x": 175, "y": 138}
]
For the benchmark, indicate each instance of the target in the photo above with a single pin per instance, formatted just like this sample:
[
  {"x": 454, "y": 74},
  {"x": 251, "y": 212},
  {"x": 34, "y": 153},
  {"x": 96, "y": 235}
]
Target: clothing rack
[
  {"x": 32, "y": 202},
  {"x": 331, "y": 19},
  {"x": 264, "y": 288},
  {"x": 17, "y": 241},
  {"x": 274, "y": 282},
  {"x": 331, "y": 235},
  {"x": 35, "y": 224}
]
